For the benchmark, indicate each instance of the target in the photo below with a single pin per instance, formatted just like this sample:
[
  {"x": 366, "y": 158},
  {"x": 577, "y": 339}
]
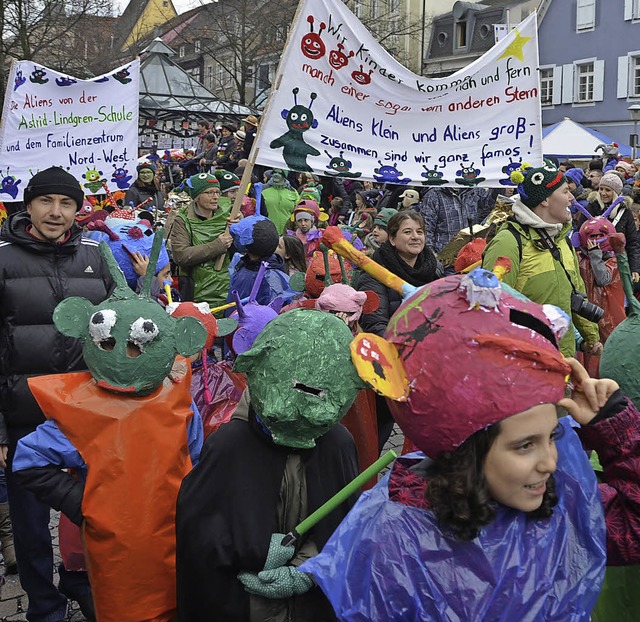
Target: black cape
[{"x": 227, "y": 511}]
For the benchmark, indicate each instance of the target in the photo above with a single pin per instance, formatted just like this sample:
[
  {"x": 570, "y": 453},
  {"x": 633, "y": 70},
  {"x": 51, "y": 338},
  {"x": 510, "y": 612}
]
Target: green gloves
[
  {"x": 278, "y": 555},
  {"x": 277, "y": 580},
  {"x": 283, "y": 582}
]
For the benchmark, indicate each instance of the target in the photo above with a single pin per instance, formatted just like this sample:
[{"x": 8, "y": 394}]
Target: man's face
[
  {"x": 594, "y": 178},
  {"x": 557, "y": 206},
  {"x": 52, "y": 215}
]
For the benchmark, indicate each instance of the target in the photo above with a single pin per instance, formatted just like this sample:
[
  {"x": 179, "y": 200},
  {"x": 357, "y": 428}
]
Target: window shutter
[
  {"x": 567, "y": 84},
  {"x": 557, "y": 86},
  {"x": 628, "y": 10},
  {"x": 623, "y": 77},
  {"x": 598, "y": 80},
  {"x": 586, "y": 14}
]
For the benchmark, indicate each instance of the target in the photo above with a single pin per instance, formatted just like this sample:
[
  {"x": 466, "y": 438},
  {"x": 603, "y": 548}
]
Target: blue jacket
[{"x": 243, "y": 272}]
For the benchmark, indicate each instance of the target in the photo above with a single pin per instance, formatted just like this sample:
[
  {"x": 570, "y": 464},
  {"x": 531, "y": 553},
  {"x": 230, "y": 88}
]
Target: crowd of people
[{"x": 248, "y": 355}]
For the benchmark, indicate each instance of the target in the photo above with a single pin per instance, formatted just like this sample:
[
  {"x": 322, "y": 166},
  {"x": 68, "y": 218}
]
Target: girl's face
[
  {"x": 606, "y": 194},
  {"x": 522, "y": 458},
  {"x": 304, "y": 224},
  {"x": 410, "y": 238},
  {"x": 379, "y": 234},
  {"x": 281, "y": 250},
  {"x": 359, "y": 202}
]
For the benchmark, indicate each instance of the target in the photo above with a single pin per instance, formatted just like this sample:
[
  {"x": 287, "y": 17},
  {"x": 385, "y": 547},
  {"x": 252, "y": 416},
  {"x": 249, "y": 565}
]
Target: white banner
[
  {"x": 343, "y": 106},
  {"x": 88, "y": 127}
]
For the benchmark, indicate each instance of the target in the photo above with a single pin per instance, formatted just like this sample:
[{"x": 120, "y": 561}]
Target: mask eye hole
[
  {"x": 107, "y": 344},
  {"x": 133, "y": 350},
  {"x": 101, "y": 324},
  {"x": 143, "y": 332}
]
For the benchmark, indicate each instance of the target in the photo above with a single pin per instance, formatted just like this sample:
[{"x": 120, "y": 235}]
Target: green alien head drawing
[
  {"x": 300, "y": 375},
  {"x": 129, "y": 341}
]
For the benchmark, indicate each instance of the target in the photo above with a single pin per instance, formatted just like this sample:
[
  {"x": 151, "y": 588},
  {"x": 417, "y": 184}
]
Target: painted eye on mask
[
  {"x": 101, "y": 324},
  {"x": 143, "y": 332}
]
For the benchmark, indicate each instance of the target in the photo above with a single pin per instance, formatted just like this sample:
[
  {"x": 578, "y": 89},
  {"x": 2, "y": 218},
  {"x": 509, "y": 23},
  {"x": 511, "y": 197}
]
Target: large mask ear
[
  {"x": 378, "y": 364},
  {"x": 189, "y": 336},
  {"x": 71, "y": 317}
]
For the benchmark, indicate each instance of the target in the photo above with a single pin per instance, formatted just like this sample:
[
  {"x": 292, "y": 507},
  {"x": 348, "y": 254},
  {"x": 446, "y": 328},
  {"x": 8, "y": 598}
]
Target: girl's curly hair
[{"x": 457, "y": 491}]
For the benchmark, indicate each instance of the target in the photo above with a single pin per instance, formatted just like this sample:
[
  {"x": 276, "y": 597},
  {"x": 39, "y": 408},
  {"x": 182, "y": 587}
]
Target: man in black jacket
[{"x": 43, "y": 260}]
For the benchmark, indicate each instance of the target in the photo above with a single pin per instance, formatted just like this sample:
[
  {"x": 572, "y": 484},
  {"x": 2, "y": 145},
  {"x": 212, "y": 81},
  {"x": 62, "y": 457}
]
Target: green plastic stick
[{"x": 339, "y": 497}]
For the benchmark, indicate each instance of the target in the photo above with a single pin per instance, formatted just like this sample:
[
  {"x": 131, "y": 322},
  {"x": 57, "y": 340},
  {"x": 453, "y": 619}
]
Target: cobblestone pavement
[{"x": 14, "y": 601}]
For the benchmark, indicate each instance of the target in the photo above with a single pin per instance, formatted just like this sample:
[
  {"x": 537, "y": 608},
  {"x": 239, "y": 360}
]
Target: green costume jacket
[
  {"x": 537, "y": 275},
  {"x": 280, "y": 203}
]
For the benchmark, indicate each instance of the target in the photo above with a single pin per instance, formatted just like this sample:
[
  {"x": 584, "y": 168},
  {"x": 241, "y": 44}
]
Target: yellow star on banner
[{"x": 515, "y": 47}]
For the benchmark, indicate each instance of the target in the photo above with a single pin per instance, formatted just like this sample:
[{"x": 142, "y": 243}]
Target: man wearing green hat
[
  {"x": 198, "y": 237},
  {"x": 544, "y": 265}
]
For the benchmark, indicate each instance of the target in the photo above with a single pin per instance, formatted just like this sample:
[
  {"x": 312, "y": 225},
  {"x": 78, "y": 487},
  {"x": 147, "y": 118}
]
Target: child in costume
[
  {"x": 257, "y": 238},
  {"x": 599, "y": 271},
  {"x": 505, "y": 519},
  {"x": 132, "y": 432},
  {"x": 306, "y": 215},
  {"x": 280, "y": 458}
]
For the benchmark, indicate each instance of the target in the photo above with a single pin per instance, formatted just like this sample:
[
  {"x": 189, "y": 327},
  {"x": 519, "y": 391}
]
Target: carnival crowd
[{"x": 248, "y": 356}]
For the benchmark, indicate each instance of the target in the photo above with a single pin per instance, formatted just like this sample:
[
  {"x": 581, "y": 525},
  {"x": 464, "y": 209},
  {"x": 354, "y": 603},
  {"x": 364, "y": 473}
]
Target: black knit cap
[{"x": 54, "y": 180}]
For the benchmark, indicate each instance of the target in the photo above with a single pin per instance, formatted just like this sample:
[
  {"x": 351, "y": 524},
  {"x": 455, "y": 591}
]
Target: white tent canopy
[{"x": 570, "y": 140}]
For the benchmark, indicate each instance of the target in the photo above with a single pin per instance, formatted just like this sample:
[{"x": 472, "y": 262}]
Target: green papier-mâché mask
[
  {"x": 300, "y": 375},
  {"x": 129, "y": 341}
]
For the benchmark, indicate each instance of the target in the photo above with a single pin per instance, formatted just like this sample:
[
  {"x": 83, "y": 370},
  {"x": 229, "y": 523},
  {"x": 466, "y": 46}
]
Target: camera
[{"x": 584, "y": 308}]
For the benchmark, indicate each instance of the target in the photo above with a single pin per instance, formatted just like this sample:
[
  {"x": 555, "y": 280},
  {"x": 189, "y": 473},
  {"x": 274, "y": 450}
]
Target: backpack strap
[{"x": 516, "y": 234}]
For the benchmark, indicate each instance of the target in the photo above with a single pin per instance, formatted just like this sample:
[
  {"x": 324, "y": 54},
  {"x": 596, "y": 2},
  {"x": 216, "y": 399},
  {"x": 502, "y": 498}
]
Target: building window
[
  {"x": 546, "y": 86},
  {"x": 357, "y": 8},
  {"x": 181, "y": 51},
  {"x": 634, "y": 76},
  {"x": 196, "y": 47},
  {"x": 394, "y": 6},
  {"x": 375, "y": 9},
  {"x": 585, "y": 15},
  {"x": 584, "y": 83},
  {"x": 461, "y": 35},
  {"x": 632, "y": 9},
  {"x": 220, "y": 74},
  {"x": 210, "y": 76}
]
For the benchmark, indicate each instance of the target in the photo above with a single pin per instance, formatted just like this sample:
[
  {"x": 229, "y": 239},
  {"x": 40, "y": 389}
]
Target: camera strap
[{"x": 551, "y": 246}]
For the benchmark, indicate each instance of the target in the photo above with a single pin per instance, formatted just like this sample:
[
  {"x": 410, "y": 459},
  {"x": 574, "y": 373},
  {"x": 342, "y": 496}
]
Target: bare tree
[
  {"x": 67, "y": 36},
  {"x": 233, "y": 46}
]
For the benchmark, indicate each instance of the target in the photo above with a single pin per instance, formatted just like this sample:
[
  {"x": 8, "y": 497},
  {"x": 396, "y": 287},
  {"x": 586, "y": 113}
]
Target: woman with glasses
[{"x": 197, "y": 238}]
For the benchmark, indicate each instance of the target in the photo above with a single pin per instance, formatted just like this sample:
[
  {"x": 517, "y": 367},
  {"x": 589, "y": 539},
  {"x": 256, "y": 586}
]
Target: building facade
[{"x": 590, "y": 63}]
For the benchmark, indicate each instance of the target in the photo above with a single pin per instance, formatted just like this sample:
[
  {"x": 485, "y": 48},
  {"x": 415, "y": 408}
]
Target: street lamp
[{"x": 634, "y": 113}]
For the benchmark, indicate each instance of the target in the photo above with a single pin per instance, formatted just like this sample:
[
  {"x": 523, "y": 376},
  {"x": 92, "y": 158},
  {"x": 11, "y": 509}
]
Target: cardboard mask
[
  {"x": 300, "y": 375},
  {"x": 129, "y": 341}
]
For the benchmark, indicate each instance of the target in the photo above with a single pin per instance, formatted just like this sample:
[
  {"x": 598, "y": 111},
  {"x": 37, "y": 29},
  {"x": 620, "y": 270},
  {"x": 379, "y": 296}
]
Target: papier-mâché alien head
[
  {"x": 300, "y": 375},
  {"x": 129, "y": 341},
  {"x": 462, "y": 354}
]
